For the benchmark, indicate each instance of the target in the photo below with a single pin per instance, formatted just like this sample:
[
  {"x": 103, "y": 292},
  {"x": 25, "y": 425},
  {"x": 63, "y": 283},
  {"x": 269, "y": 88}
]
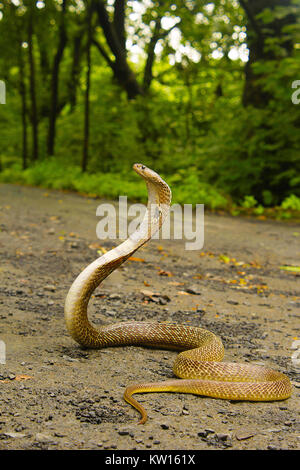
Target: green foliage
[
  {"x": 191, "y": 125},
  {"x": 292, "y": 202},
  {"x": 51, "y": 174},
  {"x": 249, "y": 202}
]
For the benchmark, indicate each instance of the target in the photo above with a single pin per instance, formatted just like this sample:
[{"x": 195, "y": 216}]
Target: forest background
[{"x": 205, "y": 93}]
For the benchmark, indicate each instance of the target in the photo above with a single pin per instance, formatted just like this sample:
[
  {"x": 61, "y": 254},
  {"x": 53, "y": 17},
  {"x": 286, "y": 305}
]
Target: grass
[{"x": 187, "y": 188}]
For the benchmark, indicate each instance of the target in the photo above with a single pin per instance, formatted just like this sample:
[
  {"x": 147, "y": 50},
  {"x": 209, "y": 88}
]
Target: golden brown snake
[{"x": 199, "y": 362}]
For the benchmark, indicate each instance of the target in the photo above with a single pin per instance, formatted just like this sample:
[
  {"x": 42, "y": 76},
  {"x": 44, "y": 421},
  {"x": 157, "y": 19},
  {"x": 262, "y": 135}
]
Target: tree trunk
[
  {"x": 115, "y": 40},
  {"x": 258, "y": 34},
  {"x": 34, "y": 114},
  {"x": 62, "y": 41},
  {"x": 75, "y": 70},
  {"x": 151, "y": 54},
  {"x": 24, "y": 108},
  {"x": 85, "y": 155}
]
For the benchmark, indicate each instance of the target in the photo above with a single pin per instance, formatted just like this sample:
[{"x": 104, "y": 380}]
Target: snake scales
[{"x": 198, "y": 365}]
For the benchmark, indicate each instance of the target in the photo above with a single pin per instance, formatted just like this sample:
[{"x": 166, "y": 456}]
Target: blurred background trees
[{"x": 200, "y": 91}]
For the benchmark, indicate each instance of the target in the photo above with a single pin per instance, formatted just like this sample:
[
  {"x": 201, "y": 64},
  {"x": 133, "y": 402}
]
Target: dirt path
[{"x": 56, "y": 395}]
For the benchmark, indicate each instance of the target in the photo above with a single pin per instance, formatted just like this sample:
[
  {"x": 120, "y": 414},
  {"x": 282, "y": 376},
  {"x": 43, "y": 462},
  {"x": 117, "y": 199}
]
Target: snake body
[{"x": 198, "y": 365}]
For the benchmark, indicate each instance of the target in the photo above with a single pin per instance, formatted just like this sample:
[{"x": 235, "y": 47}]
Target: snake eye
[{"x": 143, "y": 167}]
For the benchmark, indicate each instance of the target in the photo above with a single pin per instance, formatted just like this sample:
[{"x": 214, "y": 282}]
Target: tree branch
[
  {"x": 119, "y": 22},
  {"x": 252, "y": 19},
  {"x": 158, "y": 33},
  {"x": 103, "y": 53}
]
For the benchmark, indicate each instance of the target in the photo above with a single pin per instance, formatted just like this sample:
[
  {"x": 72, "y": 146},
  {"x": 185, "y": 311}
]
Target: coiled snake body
[{"x": 198, "y": 365}]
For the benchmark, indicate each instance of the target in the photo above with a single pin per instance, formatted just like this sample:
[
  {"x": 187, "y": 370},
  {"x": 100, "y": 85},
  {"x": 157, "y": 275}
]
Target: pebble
[
  {"x": 202, "y": 433},
  {"x": 164, "y": 426},
  {"x": 14, "y": 434},
  {"x": 111, "y": 313},
  {"x": 40, "y": 437},
  {"x": 242, "y": 436},
  {"x": 114, "y": 297},
  {"x": 223, "y": 437},
  {"x": 50, "y": 287},
  {"x": 194, "y": 289}
]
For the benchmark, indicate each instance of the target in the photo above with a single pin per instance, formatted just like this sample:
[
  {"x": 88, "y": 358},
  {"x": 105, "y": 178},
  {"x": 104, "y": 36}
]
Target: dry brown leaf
[
  {"x": 18, "y": 378},
  {"x": 162, "y": 272}
]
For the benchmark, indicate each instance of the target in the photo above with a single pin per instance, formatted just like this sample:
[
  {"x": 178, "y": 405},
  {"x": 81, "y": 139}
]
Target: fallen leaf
[
  {"x": 23, "y": 377},
  {"x": 224, "y": 258},
  {"x": 148, "y": 293},
  {"x": 295, "y": 269},
  {"x": 18, "y": 378},
  {"x": 102, "y": 251},
  {"x": 133, "y": 258},
  {"x": 165, "y": 273}
]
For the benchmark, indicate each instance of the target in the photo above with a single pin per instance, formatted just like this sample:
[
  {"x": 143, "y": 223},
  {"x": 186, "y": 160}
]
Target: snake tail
[{"x": 273, "y": 386}]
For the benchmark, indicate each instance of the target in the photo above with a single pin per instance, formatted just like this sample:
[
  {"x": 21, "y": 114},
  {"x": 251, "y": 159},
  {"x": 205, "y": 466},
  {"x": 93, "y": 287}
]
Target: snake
[{"x": 198, "y": 367}]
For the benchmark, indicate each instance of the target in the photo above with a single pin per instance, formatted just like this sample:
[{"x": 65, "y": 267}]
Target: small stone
[
  {"x": 296, "y": 384},
  {"x": 223, "y": 437},
  {"x": 194, "y": 289},
  {"x": 164, "y": 426},
  {"x": 50, "y": 287},
  {"x": 111, "y": 313},
  {"x": 14, "y": 434},
  {"x": 209, "y": 431},
  {"x": 123, "y": 432},
  {"x": 202, "y": 433},
  {"x": 114, "y": 297},
  {"x": 40, "y": 437},
  {"x": 242, "y": 436}
]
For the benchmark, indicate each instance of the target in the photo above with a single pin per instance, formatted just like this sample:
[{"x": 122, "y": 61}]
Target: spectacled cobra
[{"x": 198, "y": 365}]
